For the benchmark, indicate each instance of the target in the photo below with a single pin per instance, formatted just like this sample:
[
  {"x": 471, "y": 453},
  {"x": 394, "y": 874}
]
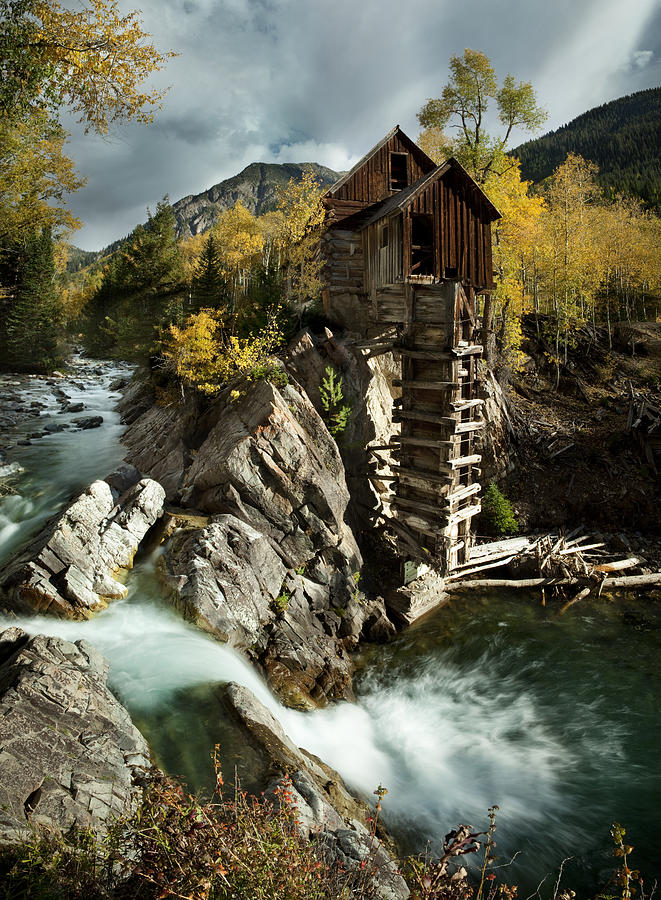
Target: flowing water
[
  {"x": 490, "y": 700},
  {"x": 58, "y": 466}
]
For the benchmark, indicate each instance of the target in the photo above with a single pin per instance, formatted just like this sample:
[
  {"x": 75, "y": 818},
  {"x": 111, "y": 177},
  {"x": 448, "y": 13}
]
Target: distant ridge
[
  {"x": 256, "y": 187},
  {"x": 622, "y": 137}
]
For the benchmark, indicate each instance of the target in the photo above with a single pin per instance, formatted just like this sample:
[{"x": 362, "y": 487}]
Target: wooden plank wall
[
  {"x": 462, "y": 239},
  {"x": 383, "y": 265},
  {"x": 371, "y": 183},
  {"x": 462, "y": 231}
]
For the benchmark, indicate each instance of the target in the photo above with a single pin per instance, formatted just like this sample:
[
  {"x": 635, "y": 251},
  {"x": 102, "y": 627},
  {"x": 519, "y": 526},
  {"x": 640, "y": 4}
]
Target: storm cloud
[{"x": 322, "y": 80}]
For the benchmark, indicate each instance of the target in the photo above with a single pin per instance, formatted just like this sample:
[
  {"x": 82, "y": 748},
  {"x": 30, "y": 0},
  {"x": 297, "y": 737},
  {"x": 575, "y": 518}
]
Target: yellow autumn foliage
[
  {"x": 204, "y": 355},
  {"x": 98, "y": 58}
]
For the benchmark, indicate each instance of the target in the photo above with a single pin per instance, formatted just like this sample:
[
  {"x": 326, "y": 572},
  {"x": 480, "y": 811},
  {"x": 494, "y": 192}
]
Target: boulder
[
  {"x": 69, "y": 753},
  {"x": 69, "y": 569},
  {"x": 232, "y": 581},
  {"x": 86, "y": 422},
  {"x": 326, "y": 811}
]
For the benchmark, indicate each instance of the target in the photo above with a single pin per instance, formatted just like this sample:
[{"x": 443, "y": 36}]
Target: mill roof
[
  {"x": 403, "y": 198},
  {"x": 425, "y": 161}
]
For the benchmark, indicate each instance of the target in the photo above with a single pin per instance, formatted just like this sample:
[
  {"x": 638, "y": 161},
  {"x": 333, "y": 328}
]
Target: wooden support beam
[
  {"x": 472, "y": 350},
  {"x": 464, "y": 492},
  {"x": 462, "y": 461},
  {"x": 417, "y": 506},
  {"x": 420, "y": 442},
  {"x": 467, "y": 427},
  {"x": 463, "y": 514},
  {"x": 423, "y": 475},
  {"x": 416, "y": 416},
  {"x": 426, "y": 385},
  {"x": 431, "y": 355},
  {"x": 460, "y": 405}
]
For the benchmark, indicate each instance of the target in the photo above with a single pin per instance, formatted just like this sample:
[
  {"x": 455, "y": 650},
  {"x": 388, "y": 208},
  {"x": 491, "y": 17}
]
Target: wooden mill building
[{"x": 407, "y": 250}]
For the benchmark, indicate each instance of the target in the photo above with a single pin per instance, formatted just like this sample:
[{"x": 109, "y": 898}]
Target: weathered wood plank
[
  {"x": 420, "y": 442},
  {"x": 419, "y": 416},
  {"x": 418, "y": 384}
]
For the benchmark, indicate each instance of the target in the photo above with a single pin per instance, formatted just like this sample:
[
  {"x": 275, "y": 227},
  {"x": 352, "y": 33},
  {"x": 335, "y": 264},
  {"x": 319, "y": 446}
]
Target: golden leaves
[
  {"x": 99, "y": 59},
  {"x": 33, "y": 173},
  {"x": 205, "y": 355}
]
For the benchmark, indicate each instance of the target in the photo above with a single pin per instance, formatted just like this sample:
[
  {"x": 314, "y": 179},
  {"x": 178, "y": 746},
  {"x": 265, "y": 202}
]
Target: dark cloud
[{"x": 322, "y": 80}]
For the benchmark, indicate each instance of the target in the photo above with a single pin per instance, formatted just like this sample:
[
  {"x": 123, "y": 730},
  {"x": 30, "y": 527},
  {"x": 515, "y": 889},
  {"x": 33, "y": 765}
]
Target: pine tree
[
  {"x": 209, "y": 283},
  {"x": 34, "y": 316},
  {"x": 497, "y": 515}
]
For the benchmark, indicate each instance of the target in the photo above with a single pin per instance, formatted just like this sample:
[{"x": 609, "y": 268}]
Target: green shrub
[
  {"x": 336, "y": 413},
  {"x": 497, "y": 515}
]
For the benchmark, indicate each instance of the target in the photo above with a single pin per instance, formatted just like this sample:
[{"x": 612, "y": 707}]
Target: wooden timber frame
[{"x": 408, "y": 247}]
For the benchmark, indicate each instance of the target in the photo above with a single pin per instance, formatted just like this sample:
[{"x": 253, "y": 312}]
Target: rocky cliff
[
  {"x": 69, "y": 753},
  {"x": 276, "y": 571},
  {"x": 256, "y": 187}
]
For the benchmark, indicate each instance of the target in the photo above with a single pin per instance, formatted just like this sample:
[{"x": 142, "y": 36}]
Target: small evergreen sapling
[
  {"x": 497, "y": 514},
  {"x": 336, "y": 413}
]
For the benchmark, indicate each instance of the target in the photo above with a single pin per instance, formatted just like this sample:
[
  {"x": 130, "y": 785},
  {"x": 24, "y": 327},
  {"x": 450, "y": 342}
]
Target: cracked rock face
[
  {"x": 69, "y": 753},
  {"x": 69, "y": 569},
  {"x": 274, "y": 573},
  {"x": 327, "y": 813}
]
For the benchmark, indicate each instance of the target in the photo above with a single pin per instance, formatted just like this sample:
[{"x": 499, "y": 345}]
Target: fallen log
[
  {"x": 580, "y": 596},
  {"x": 630, "y": 581},
  {"x": 618, "y": 565}
]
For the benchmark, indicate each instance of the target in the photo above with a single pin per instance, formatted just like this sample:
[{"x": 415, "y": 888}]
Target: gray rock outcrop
[
  {"x": 326, "y": 811},
  {"x": 275, "y": 573},
  {"x": 69, "y": 753},
  {"x": 69, "y": 569}
]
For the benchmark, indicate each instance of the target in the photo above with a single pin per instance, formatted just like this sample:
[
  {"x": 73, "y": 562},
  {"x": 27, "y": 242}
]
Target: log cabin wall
[{"x": 344, "y": 298}]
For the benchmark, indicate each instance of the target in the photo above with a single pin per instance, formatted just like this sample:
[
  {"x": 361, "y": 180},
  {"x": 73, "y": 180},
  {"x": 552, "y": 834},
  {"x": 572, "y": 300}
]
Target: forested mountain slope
[{"x": 622, "y": 137}]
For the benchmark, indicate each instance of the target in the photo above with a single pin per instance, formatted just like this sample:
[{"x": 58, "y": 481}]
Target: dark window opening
[
  {"x": 399, "y": 171},
  {"x": 422, "y": 244},
  {"x": 451, "y": 272},
  {"x": 385, "y": 236}
]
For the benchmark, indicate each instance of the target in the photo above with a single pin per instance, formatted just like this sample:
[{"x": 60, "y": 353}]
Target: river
[{"x": 492, "y": 699}]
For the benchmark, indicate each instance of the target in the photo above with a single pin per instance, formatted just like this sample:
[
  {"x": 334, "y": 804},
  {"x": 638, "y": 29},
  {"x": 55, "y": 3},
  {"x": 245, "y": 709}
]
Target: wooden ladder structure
[{"x": 435, "y": 492}]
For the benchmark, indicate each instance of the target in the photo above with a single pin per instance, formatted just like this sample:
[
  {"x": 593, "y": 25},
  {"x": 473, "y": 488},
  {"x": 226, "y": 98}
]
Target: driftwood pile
[
  {"x": 554, "y": 563},
  {"x": 644, "y": 423}
]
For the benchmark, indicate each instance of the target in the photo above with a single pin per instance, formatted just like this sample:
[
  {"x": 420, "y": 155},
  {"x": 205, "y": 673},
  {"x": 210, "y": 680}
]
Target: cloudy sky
[{"x": 323, "y": 80}]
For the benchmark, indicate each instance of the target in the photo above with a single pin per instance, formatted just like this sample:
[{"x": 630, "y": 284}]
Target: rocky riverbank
[{"x": 272, "y": 567}]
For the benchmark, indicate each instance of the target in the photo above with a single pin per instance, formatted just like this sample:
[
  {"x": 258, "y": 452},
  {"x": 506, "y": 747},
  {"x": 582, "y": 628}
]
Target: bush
[
  {"x": 204, "y": 354},
  {"x": 336, "y": 414},
  {"x": 497, "y": 515}
]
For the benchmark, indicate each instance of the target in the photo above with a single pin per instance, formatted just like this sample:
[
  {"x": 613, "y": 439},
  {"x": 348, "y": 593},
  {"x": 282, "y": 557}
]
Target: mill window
[
  {"x": 385, "y": 237},
  {"x": 399, "y": 171},
  {"x": 422, "y": 244}
]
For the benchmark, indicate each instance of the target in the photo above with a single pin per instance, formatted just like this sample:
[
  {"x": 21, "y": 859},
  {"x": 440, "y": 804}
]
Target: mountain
[
  {"x": 255, "y": 187},
  {"x": 622, "y": 137}
]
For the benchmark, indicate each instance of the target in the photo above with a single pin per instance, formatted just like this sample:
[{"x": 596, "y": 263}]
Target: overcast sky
[{"x": 323, "y": 80}]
